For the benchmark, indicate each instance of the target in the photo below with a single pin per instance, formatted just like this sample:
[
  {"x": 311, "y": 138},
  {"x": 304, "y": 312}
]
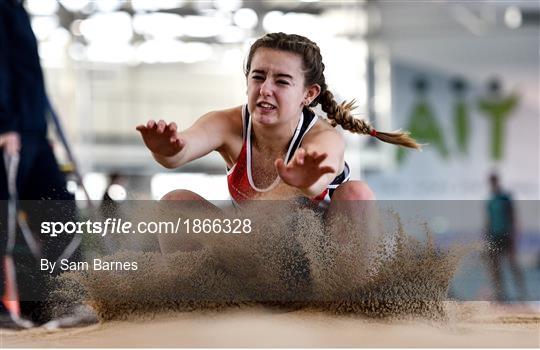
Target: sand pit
[
  {"x": 286, "y": 285},
  {"x": 474, "y": 324}
]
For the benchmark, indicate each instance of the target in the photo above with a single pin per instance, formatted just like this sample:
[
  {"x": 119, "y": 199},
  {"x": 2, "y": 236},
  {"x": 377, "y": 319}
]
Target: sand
[
  {"x": 473, "y": 324},
  {"x": 289, "y": 284}
]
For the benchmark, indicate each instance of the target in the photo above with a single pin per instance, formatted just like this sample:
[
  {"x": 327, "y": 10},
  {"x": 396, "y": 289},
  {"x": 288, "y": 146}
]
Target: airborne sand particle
[{"x": 289, "y": 261}]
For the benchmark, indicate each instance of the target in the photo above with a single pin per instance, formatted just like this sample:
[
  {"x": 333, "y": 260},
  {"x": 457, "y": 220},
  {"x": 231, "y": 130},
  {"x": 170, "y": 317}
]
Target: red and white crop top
[{"x": 239, "y": 177}]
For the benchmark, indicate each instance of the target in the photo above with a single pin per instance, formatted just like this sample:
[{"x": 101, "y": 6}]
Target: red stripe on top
[
  {"x": 238, "y": 183},
  {"x": 237, "y": 179}
]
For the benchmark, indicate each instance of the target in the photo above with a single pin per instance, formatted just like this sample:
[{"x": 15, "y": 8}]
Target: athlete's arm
[
  {"x": 316, "y": 164},
  {"x": 173, "y": 149}
]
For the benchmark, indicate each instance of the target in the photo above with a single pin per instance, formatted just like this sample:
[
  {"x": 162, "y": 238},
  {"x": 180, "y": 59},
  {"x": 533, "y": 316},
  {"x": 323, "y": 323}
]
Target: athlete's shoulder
[
  {"x": 231, "y": 114},
  {"x": 230, "y": 118},
  {"x": 323, "y": 130}
]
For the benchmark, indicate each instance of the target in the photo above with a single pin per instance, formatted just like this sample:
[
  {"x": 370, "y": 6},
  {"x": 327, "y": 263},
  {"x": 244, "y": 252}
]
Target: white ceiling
[
  {"x": 434, "y": 34},
  {"x": 463, "y": 38}
]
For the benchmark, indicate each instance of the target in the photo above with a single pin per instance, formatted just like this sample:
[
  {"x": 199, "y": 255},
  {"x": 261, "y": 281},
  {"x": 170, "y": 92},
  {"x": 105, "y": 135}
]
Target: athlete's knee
[
  {"x": 181, "y": 195},
  {"x": 353, "y": 190}
]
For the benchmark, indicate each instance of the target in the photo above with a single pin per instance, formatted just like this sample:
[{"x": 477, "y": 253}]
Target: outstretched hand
[
  {"x": 304, "y": 169},
  {"x": 161, "y": 138}
]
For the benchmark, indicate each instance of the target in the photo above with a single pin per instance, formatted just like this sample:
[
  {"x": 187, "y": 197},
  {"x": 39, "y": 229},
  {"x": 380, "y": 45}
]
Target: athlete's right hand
[{"x": 161, "y": 138}]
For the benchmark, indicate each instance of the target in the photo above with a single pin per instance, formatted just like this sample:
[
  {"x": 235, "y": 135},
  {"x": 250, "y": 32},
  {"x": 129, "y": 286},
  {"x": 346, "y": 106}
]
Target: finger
[
  {"x": 300, "y": 156},
  {"x": 280, "y": 165},
  {"x": 151, "y": 124},
  {"x": 140, "y": 128},
  {"x": 174, "y": 139},
  {"x": 161, "y": 126},
  {"x": 173, "y": 127},
  {"x": 320, "y": 157},
  {"x": 326, "y": 169},
  {"x": 315, "y": 154}
]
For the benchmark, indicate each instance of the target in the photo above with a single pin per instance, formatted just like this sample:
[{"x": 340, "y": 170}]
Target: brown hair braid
[{"x": 314, "y": 74}]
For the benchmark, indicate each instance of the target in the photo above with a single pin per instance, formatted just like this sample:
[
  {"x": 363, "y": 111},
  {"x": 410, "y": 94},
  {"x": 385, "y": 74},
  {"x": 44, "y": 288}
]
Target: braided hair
[{"x": 314, "y": 74}]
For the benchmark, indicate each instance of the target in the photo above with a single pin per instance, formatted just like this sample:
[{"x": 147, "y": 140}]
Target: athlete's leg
[
  {"x": 189, "y": 196},
  {"x": 354, "y": 202},
  {"x": 352, "y": 218},
  {"x": 353, "y": 191},
  {"x": 187, "y": 204}
]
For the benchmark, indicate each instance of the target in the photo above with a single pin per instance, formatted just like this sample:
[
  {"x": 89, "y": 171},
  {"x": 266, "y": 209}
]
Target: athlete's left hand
[{"x": 304, "y": 169}]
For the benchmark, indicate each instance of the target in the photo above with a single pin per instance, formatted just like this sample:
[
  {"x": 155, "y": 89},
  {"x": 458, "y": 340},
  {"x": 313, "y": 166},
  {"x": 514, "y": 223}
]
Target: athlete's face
[{"x": 276, "y": 87}]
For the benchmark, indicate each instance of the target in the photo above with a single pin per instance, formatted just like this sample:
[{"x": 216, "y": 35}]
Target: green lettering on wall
[
  {"x": 497, "y": 108},
  {"x": 461, "y": 126},
  {"x": 461, "y": 115},
  {"x": 423, "y": 124}
]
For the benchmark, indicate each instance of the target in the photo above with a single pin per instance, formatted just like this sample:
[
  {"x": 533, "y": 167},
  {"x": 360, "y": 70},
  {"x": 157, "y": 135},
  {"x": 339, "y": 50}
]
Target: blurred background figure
[
  {"x": 23, "y": 134},
  {"x": 501, "y": 237},
  {"x": 111, "y": 207}
]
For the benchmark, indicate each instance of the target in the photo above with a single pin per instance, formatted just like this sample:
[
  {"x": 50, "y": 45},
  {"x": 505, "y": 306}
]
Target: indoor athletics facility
[{"x": 234, "y": 173}]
